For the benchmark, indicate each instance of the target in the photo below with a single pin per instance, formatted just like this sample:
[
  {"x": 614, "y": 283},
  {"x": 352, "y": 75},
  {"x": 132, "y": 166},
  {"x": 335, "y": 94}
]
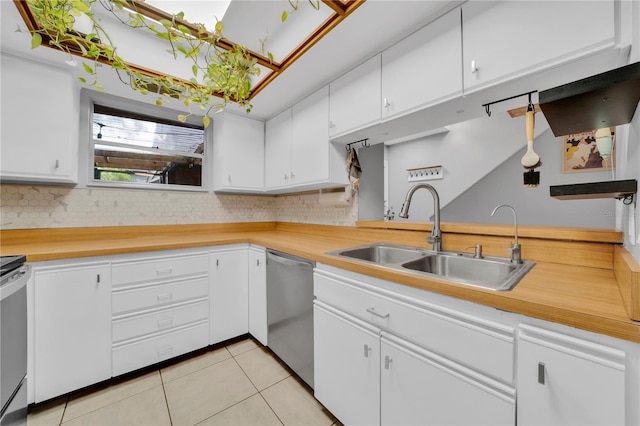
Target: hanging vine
[{"x": 215, "y": 70}]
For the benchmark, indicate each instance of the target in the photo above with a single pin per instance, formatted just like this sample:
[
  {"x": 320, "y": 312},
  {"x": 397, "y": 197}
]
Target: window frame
[{"x": 87, "y": 144}]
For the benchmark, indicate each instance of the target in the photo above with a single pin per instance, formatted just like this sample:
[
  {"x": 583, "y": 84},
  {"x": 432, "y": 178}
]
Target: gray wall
[
  {"x": 489, "y": 183},
  {"x": 371, "y": 193},
  {"x": 534, "y": 206}
]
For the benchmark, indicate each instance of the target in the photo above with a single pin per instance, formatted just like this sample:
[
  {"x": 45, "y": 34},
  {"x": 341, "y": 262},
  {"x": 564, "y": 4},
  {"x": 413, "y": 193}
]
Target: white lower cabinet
[
  {"x": 419, "y": 387},
  {"x": 346, "y": 366},
  {"x": 372, "y": 368},
  {"x": 229, "y": 292},
  {"x": 160, "y": 308},
  {"x": 563, "y": 380},
  {"x": 72, "y": 327},
  {"x": 258, "y": 293}
]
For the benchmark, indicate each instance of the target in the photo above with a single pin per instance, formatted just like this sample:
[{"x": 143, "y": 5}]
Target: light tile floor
[{"x": 241, "y": 383}]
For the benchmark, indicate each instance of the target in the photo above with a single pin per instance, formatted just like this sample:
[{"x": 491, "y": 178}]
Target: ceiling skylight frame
[{"x": 341, "y": 9}]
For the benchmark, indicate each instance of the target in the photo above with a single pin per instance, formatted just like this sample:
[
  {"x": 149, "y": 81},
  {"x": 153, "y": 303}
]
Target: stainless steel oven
[{"x": 13, "y": 340}]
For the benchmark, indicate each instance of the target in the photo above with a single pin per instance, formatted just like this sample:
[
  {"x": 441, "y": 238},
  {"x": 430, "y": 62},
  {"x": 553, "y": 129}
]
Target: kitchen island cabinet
[{"x": 71, "y": 326}]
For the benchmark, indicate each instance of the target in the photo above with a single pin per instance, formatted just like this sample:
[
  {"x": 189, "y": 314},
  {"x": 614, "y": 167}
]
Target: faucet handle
[{"x": 434, "y": 239}]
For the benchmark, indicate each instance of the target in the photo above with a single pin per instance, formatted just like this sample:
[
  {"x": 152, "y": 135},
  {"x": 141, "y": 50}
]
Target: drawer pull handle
[
  {"x": 165, "y": 323},
  {"x": 541, "y": 373},
  {"x": 373, "y": 312},
  {"x": 367, "y": 350},
  {"x": 165, "y": 352},
  {"x": 165, "y": 271},
  {"x": 165, "y": 296},
  {"x": 387, "y": 362}
]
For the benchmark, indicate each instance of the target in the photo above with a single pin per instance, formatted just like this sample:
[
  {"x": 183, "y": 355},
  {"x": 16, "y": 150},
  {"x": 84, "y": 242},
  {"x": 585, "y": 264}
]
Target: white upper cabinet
[
  {"x": 511, "y": 39},
  {"x": 354, "y": 98},
  {"x": 277, "y": 150},
  {"x": 310, "y": 138},
  {"x": 424, "y": 68},
  {"x": 41, "y": 146},
  {"x": 298, "y": 154},
  {"x": 238, "y": 153}
]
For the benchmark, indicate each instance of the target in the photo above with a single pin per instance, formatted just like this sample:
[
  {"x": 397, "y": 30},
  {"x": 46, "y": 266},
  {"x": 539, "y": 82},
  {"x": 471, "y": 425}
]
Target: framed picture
[{"x": 581, "y": 153}]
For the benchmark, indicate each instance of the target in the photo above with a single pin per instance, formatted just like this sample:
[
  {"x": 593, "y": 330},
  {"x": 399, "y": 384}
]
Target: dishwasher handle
[{"x": 289, "y": 260}]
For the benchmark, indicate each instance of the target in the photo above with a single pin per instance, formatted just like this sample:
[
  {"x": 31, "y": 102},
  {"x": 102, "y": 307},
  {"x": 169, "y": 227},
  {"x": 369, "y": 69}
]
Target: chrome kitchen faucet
[{"x": 436, "y": 235}]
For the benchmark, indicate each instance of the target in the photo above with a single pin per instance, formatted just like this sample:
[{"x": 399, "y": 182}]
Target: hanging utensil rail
[
  {"x": 487, "y": 106},
  {"x": 363, "y": 142}
]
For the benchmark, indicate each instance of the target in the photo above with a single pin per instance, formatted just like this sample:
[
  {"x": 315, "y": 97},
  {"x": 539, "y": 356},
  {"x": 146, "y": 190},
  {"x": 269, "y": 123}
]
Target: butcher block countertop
[{"x": 582, "y": 278}]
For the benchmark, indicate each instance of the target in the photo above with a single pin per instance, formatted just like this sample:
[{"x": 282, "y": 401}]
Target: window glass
[{"x": 137, "y": 149}]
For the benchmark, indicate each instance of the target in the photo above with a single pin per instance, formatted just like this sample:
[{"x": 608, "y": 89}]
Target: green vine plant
[
  {"x": 295, "y": 4},
  {"x": 215, "y": 70}
]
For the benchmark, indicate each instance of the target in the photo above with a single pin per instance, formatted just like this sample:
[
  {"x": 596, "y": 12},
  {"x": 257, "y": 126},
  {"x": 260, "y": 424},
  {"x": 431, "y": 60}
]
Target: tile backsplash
[{"x": 27, "y": 206}]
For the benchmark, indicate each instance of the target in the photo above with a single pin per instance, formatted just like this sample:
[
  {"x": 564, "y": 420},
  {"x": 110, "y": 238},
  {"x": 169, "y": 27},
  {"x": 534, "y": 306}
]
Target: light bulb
[{"x": 604, "y": 141}]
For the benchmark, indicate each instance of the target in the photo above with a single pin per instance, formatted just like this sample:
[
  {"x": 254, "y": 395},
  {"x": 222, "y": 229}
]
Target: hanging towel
[{"x": 354, "y": 169}]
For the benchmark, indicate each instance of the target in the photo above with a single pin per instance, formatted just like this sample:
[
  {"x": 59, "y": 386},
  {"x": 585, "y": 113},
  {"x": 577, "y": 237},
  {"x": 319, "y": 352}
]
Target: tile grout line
[
  {"x": 166, "y": 400},
  {"x": 66, "y": 402}
]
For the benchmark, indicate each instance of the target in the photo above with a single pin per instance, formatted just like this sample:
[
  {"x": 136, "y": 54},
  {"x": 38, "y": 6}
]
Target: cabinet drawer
[
  {"x": 136, "y": 355},
  {"x": 156, "y": 321},
  {"x": 158, "y": 295},
  {"x": 161, "y": 267},
  {"x": 480, "y": 344}
]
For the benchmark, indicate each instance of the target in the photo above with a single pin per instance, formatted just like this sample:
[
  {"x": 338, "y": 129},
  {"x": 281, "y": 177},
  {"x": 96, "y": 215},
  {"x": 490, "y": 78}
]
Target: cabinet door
[
  {"x": 238, "y": 155},
  {"x": 354, "y": 98},
  {"x": 424, "y": 68},
  {"x": 277, "y": 151},
  {"x": 72, "y": 328},
  {"x": 38, "y": 147},
  {"x": 258, "y": 294},
  {"x": 310, "y": 143},
  {"x": 505, "y": 40},
  {"x": 228, "y": 299},
  {"x": 346, "y": 366},
  {"x": 422, "y": 388},
  {"x": 567, "y": 381}
]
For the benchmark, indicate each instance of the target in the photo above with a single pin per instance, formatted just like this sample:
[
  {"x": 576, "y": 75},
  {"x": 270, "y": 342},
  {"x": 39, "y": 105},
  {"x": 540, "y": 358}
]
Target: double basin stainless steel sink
[{"x": 489, "y": 272}]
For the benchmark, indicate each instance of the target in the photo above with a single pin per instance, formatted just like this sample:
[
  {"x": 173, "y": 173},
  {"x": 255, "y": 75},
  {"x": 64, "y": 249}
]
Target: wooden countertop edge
[
  {"x": 627, "y": 272},
  {"x": 598, "y": 235},
  {"x": 314, "y": 247}
]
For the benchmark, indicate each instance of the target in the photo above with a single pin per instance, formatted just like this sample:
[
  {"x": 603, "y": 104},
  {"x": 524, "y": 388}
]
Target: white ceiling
[{"x": 370, "y": 29}]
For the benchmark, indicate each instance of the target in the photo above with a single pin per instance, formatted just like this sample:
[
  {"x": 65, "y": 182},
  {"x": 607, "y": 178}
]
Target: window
[{"x": 140, "y": 150}]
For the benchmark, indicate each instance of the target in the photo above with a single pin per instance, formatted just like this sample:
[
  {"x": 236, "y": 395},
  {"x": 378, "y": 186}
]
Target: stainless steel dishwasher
[{"x": 290, "y": 311}]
